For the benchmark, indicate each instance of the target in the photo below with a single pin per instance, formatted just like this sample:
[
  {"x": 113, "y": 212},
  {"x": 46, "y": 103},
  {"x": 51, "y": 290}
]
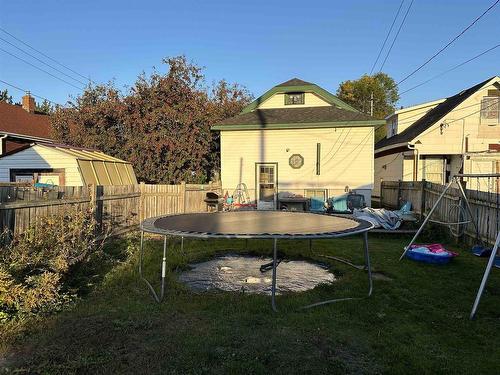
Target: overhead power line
[
  {"x": 43, "y": 62},
  {"x": 20, "y": 89},
  {"x": 451, "y": 69},
  {"x": 387, "y": 36},
  {"x": 397, "y": 34},
  {"x": 408, "y": 120},
  {"x": 44, "y": 55},
  {"x": 43, "y": 70},
  {"x": 449, "y": 43},
  {"x": 447, "y": 123}
]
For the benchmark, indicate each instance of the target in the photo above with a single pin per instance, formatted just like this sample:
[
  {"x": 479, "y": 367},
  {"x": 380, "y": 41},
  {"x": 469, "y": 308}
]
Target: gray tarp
[{"x": 380, "y": 217}]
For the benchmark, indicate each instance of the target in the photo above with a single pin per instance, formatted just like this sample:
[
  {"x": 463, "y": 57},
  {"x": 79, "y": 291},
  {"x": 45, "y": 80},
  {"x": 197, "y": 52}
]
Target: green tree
[
  {"x": 358, "y": 94},
  {"x": 161, "y": 124},
  {"x": 5, "y": 97},
  {"x": 45, "y": 107}
]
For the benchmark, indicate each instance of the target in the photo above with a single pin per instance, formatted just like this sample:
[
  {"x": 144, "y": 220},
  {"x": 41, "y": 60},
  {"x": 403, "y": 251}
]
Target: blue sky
[{"x": 258, "y": 44}]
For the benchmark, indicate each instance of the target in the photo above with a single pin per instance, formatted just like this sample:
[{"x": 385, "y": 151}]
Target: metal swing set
[{"x": 460, "y": 223}]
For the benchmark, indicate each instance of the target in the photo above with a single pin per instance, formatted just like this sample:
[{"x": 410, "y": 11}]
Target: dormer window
[{"x": 293, "y": 98}]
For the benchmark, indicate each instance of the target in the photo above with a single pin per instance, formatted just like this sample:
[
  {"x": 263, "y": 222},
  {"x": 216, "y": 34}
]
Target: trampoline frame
[{"x": 147, "y": 226}]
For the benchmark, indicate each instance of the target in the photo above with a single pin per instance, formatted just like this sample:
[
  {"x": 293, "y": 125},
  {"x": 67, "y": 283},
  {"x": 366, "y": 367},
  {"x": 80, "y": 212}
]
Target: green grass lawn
[{"x": 416, "y": 322}]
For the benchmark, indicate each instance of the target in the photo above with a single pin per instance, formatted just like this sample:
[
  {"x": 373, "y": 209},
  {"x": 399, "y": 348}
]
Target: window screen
[
  {"x": 87, "y": 172},
  {"x": 433, "y": 169},
  {"x": 490, "y": 108},
  {"x": 100, "y": 170},
  {"x": 113, "y": 173},
  {"x": 122, "y": 171},
  {"x": 294, "y": 98}
]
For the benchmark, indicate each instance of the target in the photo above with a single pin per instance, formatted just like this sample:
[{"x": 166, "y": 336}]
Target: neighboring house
[
  {"x": 297, "y": 139},
  {"x": 21, "y": 125},
  {"x": 57, "y": 164},
  {"x": 435, "y": 140}
]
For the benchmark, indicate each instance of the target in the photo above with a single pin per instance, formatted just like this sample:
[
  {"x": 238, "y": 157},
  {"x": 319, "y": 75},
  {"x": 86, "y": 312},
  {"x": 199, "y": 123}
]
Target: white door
[{"x": 266, "y": 188}]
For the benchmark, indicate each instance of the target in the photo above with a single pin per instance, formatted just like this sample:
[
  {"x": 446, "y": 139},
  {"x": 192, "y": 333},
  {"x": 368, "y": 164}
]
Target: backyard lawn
[{"x": 415, "y": 322}]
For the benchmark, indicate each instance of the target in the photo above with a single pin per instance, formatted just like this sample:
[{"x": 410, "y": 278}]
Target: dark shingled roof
[
  {"x": 296, "y": 116},
  {"x": 431, "y": 117},
  {"x": 295, "y": 82},
  {"x": 15, "y": 120}
]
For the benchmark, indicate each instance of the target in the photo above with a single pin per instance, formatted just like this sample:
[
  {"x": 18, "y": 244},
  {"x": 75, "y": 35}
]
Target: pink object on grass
[{"x": 436, "y": 248}]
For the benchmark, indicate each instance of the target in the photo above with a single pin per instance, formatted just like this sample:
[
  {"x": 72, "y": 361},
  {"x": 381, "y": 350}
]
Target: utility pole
[{"x": 371, "y": 104}]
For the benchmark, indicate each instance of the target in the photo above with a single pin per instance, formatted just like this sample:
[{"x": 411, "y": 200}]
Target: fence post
[
  {"x": 422, "y": 198},
  {"x": 142, "y": 189},
  {"x": 182, "y": 196},
  {"x": 398, "y": 202}
]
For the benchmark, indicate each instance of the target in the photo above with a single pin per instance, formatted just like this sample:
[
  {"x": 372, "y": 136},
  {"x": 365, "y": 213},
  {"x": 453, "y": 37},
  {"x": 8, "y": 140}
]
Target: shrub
[{"x": 34, "y": 265}]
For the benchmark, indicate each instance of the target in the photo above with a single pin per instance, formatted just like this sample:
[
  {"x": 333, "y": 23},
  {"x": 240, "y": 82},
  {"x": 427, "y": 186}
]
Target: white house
[
  {"x": 57, "y": 164},
  {"x": 297, "y": 139},
  {"x": 435, "y": 140}
]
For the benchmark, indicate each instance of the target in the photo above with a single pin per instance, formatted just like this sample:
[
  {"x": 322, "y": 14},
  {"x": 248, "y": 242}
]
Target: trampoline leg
[
  {"x": 367, "y": 264},
  {"x": 273, "y": 288},
  {"x": 163, "y": 267},
  {"x": 485, "y": 277},
  {"x": 141, "y": 256},
  {"x": 141, "y": 250}
]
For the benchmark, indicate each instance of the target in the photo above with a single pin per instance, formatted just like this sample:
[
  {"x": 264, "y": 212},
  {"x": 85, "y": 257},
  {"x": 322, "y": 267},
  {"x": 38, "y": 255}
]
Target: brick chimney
[{"x": 28, "y": 103}]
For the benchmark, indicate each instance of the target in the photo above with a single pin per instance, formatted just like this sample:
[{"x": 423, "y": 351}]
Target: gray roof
[
  {"x": 295, "y": 82},
  {"x": 296, "y": 115},
  {"x": 431, "y": 117}
]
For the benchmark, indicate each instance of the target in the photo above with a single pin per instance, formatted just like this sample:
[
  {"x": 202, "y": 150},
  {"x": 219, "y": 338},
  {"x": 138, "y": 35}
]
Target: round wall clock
[{"x": 296, "y": 161}]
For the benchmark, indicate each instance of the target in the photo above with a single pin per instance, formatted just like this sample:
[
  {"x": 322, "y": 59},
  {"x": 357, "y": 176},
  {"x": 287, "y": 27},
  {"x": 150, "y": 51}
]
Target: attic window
[
  {"x": 294, "y": 98},
  {"x": 490, "y": 108}
]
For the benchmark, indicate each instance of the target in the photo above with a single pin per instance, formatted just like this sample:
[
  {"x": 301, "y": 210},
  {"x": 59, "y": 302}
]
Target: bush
[{"x": 35, "y": 265}]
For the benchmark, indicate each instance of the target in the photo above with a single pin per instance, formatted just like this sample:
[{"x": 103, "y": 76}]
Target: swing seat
[{"x": 481, "y": 251}]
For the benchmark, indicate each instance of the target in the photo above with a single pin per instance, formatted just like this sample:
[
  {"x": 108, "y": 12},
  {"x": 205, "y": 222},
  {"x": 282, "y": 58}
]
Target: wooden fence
[
  {"x": 116, "y": 208},
  {"x": 423, "y": 195}
]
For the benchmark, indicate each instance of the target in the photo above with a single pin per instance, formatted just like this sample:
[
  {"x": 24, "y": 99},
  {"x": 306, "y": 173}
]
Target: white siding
[
  {"x": 346, "y": 159},
  {"x": 387, "y": 168},
  {"x": 447, "y": 138},
  {"x": 38, "y": 157},
  {"x": 463, "y": 121},
  {"x": 278, "y": 101}
]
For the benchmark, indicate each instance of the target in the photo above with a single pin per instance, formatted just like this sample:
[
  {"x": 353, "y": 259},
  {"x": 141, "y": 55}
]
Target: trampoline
[{"x": 273, "y": 225}]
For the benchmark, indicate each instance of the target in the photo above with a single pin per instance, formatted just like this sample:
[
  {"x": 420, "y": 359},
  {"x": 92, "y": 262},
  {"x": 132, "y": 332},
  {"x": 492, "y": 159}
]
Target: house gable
[
  {"x": 433, "y": 118},
  {"x": 316, "y": 96},
  {"x": 315, "y": 108},
  {"x": 403, "y": 118},
  {"x": 464, "y": 129}
]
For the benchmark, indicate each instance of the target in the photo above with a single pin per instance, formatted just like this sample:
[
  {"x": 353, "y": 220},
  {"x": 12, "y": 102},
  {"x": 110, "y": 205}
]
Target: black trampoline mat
[{"x": 256, "y": 223}]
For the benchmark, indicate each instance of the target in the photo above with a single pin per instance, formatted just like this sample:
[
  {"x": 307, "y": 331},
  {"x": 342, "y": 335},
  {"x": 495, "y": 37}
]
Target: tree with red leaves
[{"x": 161, "y": 125}]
